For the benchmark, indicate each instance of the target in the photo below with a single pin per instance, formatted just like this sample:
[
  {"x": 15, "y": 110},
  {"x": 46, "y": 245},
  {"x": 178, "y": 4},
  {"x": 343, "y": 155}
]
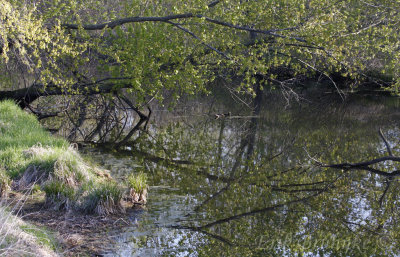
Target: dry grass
[{"x": 17, "y": 238}]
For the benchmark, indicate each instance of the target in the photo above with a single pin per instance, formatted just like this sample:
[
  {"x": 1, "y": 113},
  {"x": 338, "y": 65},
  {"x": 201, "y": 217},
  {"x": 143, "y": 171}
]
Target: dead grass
[{"x": 17, "y": 240}]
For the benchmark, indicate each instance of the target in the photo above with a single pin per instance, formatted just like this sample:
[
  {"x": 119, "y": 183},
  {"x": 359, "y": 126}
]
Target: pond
[{"x": 230, "y": 180}]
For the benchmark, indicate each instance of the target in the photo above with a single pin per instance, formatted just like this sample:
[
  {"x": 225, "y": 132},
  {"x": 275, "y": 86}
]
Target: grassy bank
[
  {"x": 31, "y": 157},
  {"x": 32, "y": 161}
]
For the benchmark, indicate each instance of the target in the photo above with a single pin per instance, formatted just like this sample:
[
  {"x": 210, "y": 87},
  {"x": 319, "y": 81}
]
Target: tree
[{"x": 144, "y": 50}]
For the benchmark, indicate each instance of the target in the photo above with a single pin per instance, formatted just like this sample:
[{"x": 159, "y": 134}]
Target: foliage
[
  {"x": 33, "y": 43},
  {"x": 64, "y": 42}
]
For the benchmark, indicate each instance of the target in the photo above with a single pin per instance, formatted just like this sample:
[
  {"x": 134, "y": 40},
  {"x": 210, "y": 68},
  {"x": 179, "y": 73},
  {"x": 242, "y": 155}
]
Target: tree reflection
[{"x": 262, "y": 189}]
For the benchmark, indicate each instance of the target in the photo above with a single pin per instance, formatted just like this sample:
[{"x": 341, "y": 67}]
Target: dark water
[{"x": 251, "y": 182}]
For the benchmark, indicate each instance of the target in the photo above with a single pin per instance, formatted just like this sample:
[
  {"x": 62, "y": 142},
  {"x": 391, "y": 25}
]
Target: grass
[
  {"x": 43, "y": 236},
  {"x": 137, "y": 188},
  {"x": 4, "y": 182},
  {"x": 137, "y": 182},
  {"x": 17, "y": 238},
  {"x": 31, "y": 156},
  {"x": 102, "y": 199}
]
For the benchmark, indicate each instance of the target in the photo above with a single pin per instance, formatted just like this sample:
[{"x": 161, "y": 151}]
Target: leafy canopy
[{"x": 180, "y": 46}]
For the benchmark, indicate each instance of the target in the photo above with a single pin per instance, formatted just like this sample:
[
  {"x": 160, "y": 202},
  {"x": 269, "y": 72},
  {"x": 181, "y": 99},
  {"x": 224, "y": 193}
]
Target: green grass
[
  {"x": 137, "y": 182},
  {"x": 18, "y": 132},
  {"x": 43, "y": 236},
  {"x": 31, "y": 156},
  {"x": 103, "y": 199}
]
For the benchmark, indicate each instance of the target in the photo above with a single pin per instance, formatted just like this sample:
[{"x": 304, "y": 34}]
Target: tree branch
[
  {"x": 169, "y": 18},
  {"x": 26, "y": 96},
  {"x": 142, "y": 119},
  {"x": 196, "y": 37},
  {"x": 119, "y": 22}
]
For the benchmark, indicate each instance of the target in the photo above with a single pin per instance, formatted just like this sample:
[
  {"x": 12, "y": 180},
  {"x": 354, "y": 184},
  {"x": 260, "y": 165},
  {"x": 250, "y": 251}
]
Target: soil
[{"x": 78, "y": 234}]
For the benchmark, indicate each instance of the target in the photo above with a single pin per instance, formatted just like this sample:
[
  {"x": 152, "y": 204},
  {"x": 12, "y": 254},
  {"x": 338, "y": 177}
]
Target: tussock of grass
[
  {"x": 31, "y": 156},
  {"x": 138, "y": 182},
  {"x": 137, "y": 188},
  {"x": 104, "y": 199}
]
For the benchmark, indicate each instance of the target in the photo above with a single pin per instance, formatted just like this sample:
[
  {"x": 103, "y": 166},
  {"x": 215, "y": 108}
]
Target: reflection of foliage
[{"x": 275, "y": 200}]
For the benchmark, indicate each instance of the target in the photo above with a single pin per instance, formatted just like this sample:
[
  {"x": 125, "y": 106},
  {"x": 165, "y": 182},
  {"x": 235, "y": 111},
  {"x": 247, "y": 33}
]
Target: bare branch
[
  {"x": 142, "y": 119},
  {"x": 384, "y": 192}
]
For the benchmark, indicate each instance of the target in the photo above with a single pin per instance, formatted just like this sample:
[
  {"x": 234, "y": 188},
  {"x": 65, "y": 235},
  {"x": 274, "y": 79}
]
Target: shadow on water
[{"x": 251, "y": 181}]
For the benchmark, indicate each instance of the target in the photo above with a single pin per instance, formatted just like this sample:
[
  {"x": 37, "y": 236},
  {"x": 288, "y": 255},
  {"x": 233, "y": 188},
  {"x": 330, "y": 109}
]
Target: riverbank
[
  {"x": 19, "y": 238},
  {"x": 59, "y": 189}
]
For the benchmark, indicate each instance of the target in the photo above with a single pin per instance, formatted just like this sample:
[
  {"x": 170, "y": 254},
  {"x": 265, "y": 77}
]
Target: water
[{"x": 254, "y": 184}]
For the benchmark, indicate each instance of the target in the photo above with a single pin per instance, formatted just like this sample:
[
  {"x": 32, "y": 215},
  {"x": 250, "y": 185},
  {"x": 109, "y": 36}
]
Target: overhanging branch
[
  {"x": 169, "y": 18},
  {"x": 26, "y": 96}
]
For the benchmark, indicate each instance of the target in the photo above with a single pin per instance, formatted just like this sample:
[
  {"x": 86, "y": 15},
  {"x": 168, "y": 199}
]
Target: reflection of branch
[
  {"x": 359, "y": 225},
  {"x": 384, "y": 192},
  {"x": 256, "y": 211},
  {"x": 386, "y": 143},
  {"x": 388, "y": 180},
  {"x": 143, "y": 119},
  {"x": 214, "y": 177},
  {"x": 236, "y": 165},
  {"x": 198, "y": 207},
  {"x": 151, "y": 157},
  {"x": 269, "y": 208},
  {"x": 365, "y": 166},
  {"x": 279, "y": 189},
  {"x": 218, "y": 237},
  {"x": 231, "y": 180}
]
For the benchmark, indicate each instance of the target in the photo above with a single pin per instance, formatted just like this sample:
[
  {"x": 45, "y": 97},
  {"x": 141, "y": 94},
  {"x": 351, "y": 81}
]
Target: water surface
[{"x": 251, "y": 182}]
